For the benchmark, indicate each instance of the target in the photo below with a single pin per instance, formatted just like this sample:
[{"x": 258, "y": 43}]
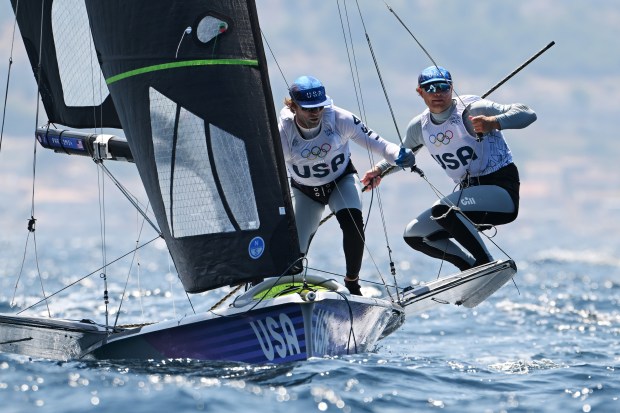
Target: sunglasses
[
  {"x": 436, "y": 87},
  {"x": 313, "y": 110}
]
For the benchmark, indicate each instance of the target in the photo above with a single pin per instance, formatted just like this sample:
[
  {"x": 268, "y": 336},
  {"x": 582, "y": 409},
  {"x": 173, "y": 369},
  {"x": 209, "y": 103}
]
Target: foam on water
[{"x": 548, "y": 343}]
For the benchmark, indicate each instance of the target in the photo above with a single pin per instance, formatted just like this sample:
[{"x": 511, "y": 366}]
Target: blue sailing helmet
[
  {"x": 309, "y": 92},
  {"x": 434, "y": 74}
]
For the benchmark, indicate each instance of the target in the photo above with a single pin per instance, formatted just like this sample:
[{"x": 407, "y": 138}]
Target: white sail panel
[
  {"x": 82, "y": 81},
  {"x": 193, "y": 205},
  {"x": 236, "y": 182}
]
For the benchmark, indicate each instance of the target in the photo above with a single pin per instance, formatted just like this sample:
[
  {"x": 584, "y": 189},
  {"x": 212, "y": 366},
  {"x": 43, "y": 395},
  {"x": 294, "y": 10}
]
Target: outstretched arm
[
  {"x": 484, "y": 116},
  {"x": 412, "y": 144}
]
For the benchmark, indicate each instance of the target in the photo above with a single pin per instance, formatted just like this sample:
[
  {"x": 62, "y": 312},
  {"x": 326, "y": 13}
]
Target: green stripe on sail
[{"x": 175, "y": 65}]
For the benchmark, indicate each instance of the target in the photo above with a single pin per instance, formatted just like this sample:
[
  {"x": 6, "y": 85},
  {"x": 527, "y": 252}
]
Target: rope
[
  {"x": 8, "y": 75},
  {"x": 84, "y": 277},
  {"x": 230, "y": 294}
]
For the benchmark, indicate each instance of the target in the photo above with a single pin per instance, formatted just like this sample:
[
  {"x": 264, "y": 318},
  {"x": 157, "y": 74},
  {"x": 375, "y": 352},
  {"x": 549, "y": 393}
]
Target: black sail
[
  {"x": 58, "y": 42},
  {"x": 190, "y": 84}
]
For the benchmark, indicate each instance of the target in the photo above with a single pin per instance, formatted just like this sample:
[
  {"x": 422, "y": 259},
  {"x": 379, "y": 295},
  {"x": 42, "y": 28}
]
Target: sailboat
[{"x": 187, "y": 82}]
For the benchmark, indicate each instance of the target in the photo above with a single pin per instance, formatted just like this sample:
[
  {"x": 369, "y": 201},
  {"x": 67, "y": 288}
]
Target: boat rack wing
[{"x": 468, "y": 288}]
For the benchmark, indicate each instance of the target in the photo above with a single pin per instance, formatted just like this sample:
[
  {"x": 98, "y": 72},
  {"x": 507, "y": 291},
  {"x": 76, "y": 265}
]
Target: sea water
[{"x": 549, "y": 341}]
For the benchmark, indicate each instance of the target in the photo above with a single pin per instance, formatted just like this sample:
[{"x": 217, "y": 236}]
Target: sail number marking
[{"x": 276, "y": 336}]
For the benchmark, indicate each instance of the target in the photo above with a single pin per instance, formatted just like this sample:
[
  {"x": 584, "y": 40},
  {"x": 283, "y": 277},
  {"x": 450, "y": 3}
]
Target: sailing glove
[{"x": 406, "y": 158}]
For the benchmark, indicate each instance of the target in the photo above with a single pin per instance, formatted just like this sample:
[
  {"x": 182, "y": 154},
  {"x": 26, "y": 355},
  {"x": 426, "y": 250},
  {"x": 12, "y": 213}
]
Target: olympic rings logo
[
  {"x": 441, "y": 138},
  {"x": 316, "y": 152}
]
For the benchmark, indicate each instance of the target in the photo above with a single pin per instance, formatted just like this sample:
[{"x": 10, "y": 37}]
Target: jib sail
[{"x": 59, "y": 44}]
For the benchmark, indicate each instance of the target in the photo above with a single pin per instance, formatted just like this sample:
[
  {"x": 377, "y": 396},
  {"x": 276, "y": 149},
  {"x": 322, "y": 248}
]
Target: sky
[{"x": 568, "y": 158}]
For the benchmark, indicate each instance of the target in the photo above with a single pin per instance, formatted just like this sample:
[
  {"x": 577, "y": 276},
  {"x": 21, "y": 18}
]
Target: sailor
[
  {"x": 464, "y": 136},
  {"x": 315, "y": 138}
]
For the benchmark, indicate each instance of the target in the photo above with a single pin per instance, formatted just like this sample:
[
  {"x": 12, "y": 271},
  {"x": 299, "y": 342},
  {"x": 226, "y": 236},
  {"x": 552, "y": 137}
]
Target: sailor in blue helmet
[
  {"x": 315, "y": 138},
  {"x": 464, "y": 136}
]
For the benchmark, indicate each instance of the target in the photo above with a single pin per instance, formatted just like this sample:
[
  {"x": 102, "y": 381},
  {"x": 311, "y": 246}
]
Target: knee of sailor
[
  {"x": 413, "y": 230},
  {"x": 414, "y": 242},
  {"x": 439, "y": 210},
  {"x": 350, "y": 217}
]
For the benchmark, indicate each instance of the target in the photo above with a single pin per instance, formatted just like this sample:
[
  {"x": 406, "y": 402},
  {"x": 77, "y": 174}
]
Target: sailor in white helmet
[
  {"x": 315, "y": 138},
  {"x": 463, "y": 135}
]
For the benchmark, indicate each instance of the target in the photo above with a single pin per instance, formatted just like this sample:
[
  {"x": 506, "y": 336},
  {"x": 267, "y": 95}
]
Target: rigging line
[
  {"x": 129, "y": 197},
  {"x": 36, "y": 255},
  {"x": 374, "y": 58},
  {"x": 342, "y": 276},
  {"x": 360, "y": 100},
  {"x": 361, "y": 107},
  {"x": 21, "y": 270},
  {"x": 32, "y": 220},
  {"x": 376, "y": 64},
  {"x": 389, "y": 249},
  {"x": 86, "y": 276},
  {"x": 135, "y": 251},
  {"x": 370, "y": 254},
  {"x": 422, "y": 47},
  {"x": 174, "y": 307},
  {"x": 34, "y": 160},
  {"x": 94, "y": 71},
  {"x": 8, "y": 75},
  {"x": 357, "y": 86},
  {"x": 387, "y": 242},
  {"x": 364, "y": 240},
  {"x": 361, "y": 104},
  {"x": 190, "y": 302},
  {"x": 274, "y": 58},
  {"x": 226, "y": 297},
  {"x": 281, "y": 72},
  {"x": 351, "y": 332},
  {"x": 364, "y": 189},
  {"x": 102, "y": 229},
  {"x": 412, "y": 35},
  {"x": 427, "y": 54},
  {"x": 263, "y": 296},
  {"x": 354, "y": 75},
  {"x": 139, "y": 267}
]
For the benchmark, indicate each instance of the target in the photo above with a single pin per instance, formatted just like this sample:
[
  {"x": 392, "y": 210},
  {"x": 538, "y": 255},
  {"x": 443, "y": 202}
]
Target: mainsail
[{"x": 190, "y": 86}]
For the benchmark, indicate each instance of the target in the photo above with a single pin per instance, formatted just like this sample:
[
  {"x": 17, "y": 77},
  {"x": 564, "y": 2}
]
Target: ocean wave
[
  {"x": 591, "y": 257},
  {"x": 525, "y": 366}
]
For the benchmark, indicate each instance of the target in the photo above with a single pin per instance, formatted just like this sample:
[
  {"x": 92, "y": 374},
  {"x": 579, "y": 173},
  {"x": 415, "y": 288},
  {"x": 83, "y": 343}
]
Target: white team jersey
[
  {"x": 457, "y": 151},
  {"x": 322, "y": 159}
]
